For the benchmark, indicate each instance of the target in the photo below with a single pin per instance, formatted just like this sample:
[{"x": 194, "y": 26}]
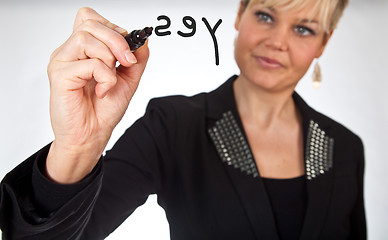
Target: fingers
[
  {"x": 142, "y": 53},
  {"x": 91, "y": 52},
  {"x": 83, "y": 46},
  {"x": 80, "y": 73},
  {"x": 90, "y": 24},
  {"x": 87, "y": 13},
  {"x": 112, "y": 39}
]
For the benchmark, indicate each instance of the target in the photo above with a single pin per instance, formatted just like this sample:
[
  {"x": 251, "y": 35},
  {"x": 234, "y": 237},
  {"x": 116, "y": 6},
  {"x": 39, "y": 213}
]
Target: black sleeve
[
  {"x": 357, "y": 218},
  {"x": 49, "y": 196},
  {"x": 31, "y": 207},
  {"x": 21, "y": 216}
]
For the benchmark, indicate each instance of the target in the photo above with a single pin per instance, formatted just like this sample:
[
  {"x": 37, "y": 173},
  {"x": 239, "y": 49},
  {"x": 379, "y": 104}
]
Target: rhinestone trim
[
  {"x": 231, "y": 145},
  {"x": 319, "y": 151}
]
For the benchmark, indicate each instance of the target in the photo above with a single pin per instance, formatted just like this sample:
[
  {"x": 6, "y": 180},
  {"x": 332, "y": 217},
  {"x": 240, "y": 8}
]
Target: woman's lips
[{"x": 268, "y": 63}]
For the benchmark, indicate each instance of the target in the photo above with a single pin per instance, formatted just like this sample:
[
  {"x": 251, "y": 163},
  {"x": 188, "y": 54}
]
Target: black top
[
  {"x": 288, "y": 199},
  {"x": 193, "y": 153}
]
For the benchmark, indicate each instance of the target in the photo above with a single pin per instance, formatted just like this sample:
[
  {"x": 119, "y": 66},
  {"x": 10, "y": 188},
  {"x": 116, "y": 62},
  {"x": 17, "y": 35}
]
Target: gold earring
[{"x": 317, "y": 77}]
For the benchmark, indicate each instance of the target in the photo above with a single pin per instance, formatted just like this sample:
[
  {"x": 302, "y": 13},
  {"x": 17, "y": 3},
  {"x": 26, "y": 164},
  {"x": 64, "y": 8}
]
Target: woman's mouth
[{"x": 268, "y": 63}]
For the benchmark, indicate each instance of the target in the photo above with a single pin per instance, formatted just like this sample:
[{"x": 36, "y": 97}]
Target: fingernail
[{"x": 130, "y": 57}]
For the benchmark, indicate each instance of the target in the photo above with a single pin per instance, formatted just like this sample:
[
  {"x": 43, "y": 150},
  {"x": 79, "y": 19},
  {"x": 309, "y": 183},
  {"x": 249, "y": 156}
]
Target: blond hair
[{"x": 328, "y": 11}]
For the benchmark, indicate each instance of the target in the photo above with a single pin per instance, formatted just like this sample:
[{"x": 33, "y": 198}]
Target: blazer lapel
[
  {"x": 319, "y": 148},
  {"x": 225, "y": 131}
]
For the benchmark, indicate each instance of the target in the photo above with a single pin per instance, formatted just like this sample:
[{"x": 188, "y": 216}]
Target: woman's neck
[{"x": 264, "y": 108}]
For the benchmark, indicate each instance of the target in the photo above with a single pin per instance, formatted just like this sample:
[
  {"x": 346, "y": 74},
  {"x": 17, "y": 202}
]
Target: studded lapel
[
  {"x": 232, "y": 146},
  {"x": 227, "y": 134}
]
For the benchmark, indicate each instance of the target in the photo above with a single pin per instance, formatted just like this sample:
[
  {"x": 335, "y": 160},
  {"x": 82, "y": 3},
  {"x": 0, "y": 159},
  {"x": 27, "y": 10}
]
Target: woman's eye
[
  {"x": 304, "y": 31},
  {"x": 264, "y": 17}
]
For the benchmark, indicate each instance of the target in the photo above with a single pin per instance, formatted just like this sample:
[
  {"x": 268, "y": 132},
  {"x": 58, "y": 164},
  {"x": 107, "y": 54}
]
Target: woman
[{"x": 250, "y": 160}]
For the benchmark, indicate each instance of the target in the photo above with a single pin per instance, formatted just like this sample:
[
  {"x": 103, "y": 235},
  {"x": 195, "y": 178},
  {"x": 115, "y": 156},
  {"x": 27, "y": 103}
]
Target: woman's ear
[
  {"x": 324, "y": 43},
  {"x": 240, "y": 12}
]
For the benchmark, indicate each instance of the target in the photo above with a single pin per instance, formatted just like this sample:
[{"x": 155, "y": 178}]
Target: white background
[{"x": 353, "y": 90}]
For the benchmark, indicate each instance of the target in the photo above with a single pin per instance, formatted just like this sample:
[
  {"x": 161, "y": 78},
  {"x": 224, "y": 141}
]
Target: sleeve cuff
[{"x": 50, "y": 196}]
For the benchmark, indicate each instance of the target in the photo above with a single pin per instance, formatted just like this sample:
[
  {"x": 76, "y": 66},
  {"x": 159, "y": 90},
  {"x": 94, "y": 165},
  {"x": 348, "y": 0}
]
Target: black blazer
[{"x": 193, "y": 153}]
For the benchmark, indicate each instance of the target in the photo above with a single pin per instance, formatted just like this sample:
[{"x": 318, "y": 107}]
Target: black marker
[{"x": 137, "y": 38}]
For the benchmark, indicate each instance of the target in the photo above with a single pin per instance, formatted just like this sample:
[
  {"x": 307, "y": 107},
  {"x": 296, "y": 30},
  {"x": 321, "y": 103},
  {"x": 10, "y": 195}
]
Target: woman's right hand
[{"x": 88, "y": 94}]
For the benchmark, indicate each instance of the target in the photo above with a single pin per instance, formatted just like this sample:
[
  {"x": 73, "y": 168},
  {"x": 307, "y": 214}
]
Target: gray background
[{"x": 353, "y": 90}]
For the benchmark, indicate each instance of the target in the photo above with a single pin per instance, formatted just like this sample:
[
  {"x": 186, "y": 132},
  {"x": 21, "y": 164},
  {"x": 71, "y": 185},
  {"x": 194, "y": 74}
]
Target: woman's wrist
[{"x": 68, "y": 165}]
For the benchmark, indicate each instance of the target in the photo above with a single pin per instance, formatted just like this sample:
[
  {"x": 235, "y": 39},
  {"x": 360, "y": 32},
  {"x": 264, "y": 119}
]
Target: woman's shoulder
[
  {"x": 333, "y": 127},
  {"x": 178, "y": 110},
  {"x": 337, "y": 127},
  {"x": 339, "y": 132},
  {"x": 205, "y": 104},
  {"x": 179, "y": 104}
]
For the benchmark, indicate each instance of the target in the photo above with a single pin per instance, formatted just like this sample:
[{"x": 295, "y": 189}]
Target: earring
[{"x": 317, "y": 77}]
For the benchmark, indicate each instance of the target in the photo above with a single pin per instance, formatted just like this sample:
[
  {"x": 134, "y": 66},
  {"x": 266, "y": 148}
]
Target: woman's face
[{"x": 274, "y": 47}]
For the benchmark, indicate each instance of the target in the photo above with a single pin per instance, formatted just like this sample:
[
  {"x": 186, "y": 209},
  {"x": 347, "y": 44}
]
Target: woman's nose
[{"x": 278, "y": 39}]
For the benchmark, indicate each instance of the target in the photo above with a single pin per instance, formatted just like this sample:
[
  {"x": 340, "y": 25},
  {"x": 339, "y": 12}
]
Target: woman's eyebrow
[
  {"x": 271, "y": 9},
  {"x": 305, "y": 20}
]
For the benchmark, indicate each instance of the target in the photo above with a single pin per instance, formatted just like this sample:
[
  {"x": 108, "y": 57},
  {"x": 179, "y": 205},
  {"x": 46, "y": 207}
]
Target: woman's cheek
[{"x": 304, "y": 58}]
